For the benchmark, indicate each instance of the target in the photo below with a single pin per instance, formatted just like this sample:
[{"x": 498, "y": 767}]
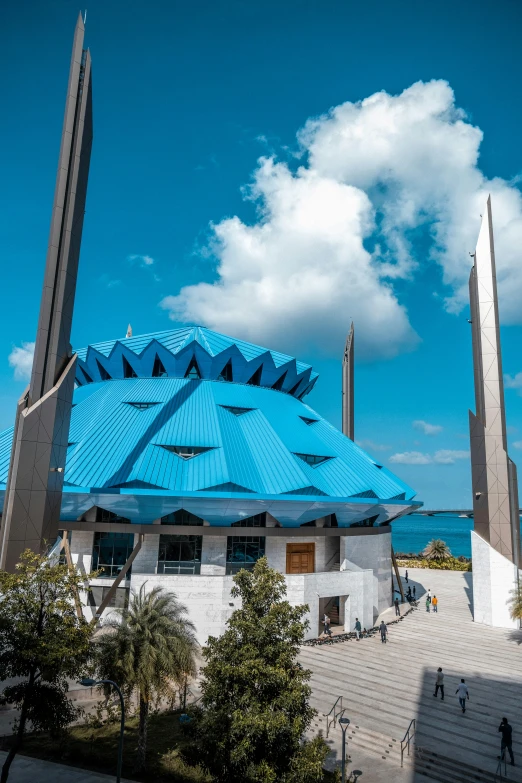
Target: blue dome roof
[
  {"x": 182, "y": 431},
  {"x": 194, "y": 352}
]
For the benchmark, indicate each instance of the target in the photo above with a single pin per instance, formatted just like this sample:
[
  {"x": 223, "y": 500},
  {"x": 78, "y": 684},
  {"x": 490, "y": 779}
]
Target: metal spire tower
[
  {"x": 348, "y": 386},
  {"x": 34, "y": 488},
  {"x": 496, "y": 535}
]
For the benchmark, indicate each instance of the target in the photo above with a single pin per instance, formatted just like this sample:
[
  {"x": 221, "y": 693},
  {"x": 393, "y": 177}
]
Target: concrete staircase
[{"x": 384, "y": 686}]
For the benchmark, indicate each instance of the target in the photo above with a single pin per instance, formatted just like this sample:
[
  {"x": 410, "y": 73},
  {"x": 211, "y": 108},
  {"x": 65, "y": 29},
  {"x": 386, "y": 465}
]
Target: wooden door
[{"x": 300, "y": 558}]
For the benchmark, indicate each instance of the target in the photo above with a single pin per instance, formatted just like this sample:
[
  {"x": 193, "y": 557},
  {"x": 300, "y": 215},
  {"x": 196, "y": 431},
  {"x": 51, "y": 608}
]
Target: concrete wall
[
  {"x": 370, "y": 552},
  {"x": 210, "y": 604},
  {"x": 493, "y": 578}
]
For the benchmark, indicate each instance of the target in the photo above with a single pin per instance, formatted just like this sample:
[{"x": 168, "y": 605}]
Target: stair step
[{"x": 430, "y": 763}]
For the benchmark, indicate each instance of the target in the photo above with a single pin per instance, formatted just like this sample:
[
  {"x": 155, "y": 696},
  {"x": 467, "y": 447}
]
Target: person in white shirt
[
  {"x": 439, "y": 684},
  {"x": 429, "y": 596},
  {"x": 463, "y": 694}
]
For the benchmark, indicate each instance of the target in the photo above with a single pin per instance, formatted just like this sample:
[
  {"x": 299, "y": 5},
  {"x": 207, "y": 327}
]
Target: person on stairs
[
  {"x": 397, "y": 607},
  {"x": 439, "y": 684},
  {"x": 383, "y": 631},
  {"x": 357, "y": 628},
  {"x": 326, "y": 623},
  {"x": 507, "y": 740},
  {"x": 428, "y": 604},
  {"x": 406, "y": 576},
  {"x": 435, "y": 603},
  {"x": 463, "y": 694}
]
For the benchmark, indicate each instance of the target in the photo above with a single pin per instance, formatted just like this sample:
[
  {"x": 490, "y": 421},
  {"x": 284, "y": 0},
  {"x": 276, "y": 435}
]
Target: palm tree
[
  {"x": 148, "y": 649},
  {"x": 515, "y": 603},
  {"x": 437, "y": 549}
]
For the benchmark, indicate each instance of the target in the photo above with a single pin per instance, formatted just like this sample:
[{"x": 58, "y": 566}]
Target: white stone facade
[
  {"x": 494, "y": 576},
  {"x": 356, "y": 569}
]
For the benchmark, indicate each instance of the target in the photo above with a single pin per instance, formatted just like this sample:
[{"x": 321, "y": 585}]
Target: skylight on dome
[
  {"x": 312, "y": 459},
  {"x": 186, "y": 452}
]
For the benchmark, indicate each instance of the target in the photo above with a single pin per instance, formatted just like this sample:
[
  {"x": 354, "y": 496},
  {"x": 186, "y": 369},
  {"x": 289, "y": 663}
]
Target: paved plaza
[{"x": 385, "y": 686}]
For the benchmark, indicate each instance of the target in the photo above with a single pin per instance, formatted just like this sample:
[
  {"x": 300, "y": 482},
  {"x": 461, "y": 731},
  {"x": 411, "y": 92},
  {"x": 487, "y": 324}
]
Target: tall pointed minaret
[
  {"x": 129, "y": 331},
  {"x": 496, "y": 536},
  {"x": 34, "y": 488},
  {"x": 348, "y": 386}
]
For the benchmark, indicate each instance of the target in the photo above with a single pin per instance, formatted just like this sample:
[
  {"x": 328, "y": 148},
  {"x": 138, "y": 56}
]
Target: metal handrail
[
  {"x": 332, "y": 716},
  {"x": 407, "y": 739}
]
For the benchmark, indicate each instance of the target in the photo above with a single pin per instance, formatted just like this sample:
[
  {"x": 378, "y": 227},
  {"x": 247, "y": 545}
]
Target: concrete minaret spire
[
  {"x": 34, "y": 488},
  {"x": 348, "y": 386},
  {"x": 496, "y": 536}
]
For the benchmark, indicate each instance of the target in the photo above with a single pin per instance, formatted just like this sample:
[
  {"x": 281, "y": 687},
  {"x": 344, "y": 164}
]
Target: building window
[
  {"x": 258, "y": 520},
  {"x": 128, "y": 371},
  {"x": 193, "y": 370},
  {"x": 244, "y": 552},
  {"x": 119, "y": 600},
  {"x": 179, "y": 554},
  {"x": 110, "y": 552},
  {"x": 102, "y": 515},
  {"x": 181, "y": 517},
  {"x": 226, "y": 372},
  {"x": 312, "y": 459},
  {"x": 158, "y": 370}
]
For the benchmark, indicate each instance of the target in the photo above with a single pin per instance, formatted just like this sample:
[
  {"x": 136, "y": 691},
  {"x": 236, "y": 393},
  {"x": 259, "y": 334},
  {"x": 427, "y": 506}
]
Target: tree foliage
[
  {"x": 437, "y": 549},
  {"x": 42, "y": 644},
  {"x": 515, "y": 603},
  {"x": 149, "y": 649},
  {"x": 255, "y": 703}
]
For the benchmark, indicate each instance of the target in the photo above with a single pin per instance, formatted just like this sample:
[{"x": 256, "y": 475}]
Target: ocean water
[{"x": 411, "y": 534}]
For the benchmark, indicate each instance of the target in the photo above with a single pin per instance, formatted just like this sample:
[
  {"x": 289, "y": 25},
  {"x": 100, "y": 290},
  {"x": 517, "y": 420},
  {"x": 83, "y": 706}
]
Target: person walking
[
  {"x": 507, "y": 740},
  {"x": 406, "y": 576},
  {"x": 384, "y": 631},
  {"x": 435, "y": 603},
  {"x": 326, "y": 622},
  {"x": 428, "y": 604},
  {"x": 429, "y": 596},
  {"x": 357, "y": 628},
  {"x": 414, "y": 593},
  {"x": 463, "y": 694},
  {"x": 397, "y": 607},
  {"x": 439, "y": 684},
  {"x": 409, "y": 596}
]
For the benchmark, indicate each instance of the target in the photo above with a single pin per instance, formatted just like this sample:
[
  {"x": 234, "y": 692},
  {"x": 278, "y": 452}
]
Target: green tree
[
  {"x": 149, "y": 649},
  {"x": 515, "y": 603},
  {"x": 42, "y": 643},
  {"x": 255, "y": 694},
  {"x": 437, "y": 549}
]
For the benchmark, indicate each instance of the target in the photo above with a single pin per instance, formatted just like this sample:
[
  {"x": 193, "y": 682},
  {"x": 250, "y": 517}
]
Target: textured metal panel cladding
[{"x": 115, "y": 443}]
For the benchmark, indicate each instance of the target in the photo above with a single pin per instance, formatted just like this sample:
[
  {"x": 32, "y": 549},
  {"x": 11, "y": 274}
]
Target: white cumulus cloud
[
  {"x": 371, "y": 445},
  {"x": 333, "y": 235},
  {"x": 427, "y": 429},
  {"x": 440, "y": 457},
  {"x": 142, "y": 260},
  {"x": 411, "y": 458},
  {"x": 21, "y": 359},
  {"x": 513, "y": 382},
  {"x": 517, "y": 444}
]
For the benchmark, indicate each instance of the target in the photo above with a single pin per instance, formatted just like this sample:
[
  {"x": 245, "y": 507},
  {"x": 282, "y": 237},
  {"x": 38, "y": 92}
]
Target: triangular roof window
[
  {"x": 128, "y": 372},
  {"x": 226, "y": 372},
  {"x": 255, "y": 380},
  {"x": 158, "y": 370},
  {"x": 193, "y": 370},
  {"x": 86, "y": 375},
  {"x": 368, "y": 493},
  {"x": 142, "y": 406},
  {"x": 278, "y": 385},
  {"x": 186, "y": 452},
  {"x": 104, "y": 375},
  {"x": 312, "y": 459},
  {"x": 237, "y": 411},
  {"x": 308, "y": 421}
]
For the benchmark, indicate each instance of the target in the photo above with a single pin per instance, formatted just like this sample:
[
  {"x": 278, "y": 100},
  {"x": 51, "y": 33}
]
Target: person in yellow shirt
[{"x": 435, "y": 603}]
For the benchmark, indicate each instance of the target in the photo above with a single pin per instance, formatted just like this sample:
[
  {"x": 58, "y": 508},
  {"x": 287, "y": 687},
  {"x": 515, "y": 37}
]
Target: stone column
[{"x": 214, "y": 555}]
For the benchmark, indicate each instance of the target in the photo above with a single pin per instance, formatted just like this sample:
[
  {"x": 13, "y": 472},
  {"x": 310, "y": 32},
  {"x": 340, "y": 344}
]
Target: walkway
[
  {"x": 28, "y": 770},
  {"x": 385, "y": 686}
]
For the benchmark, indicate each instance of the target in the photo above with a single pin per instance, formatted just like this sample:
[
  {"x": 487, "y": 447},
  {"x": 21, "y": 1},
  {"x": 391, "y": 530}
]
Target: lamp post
[
  {"x": 343, "y": 723},
  {"x": 88, "y": 682}
]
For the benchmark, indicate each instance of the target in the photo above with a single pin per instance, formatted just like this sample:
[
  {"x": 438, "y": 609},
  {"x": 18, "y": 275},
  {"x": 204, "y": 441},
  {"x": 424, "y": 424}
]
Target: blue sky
[{"x": 367, "y": 212}]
